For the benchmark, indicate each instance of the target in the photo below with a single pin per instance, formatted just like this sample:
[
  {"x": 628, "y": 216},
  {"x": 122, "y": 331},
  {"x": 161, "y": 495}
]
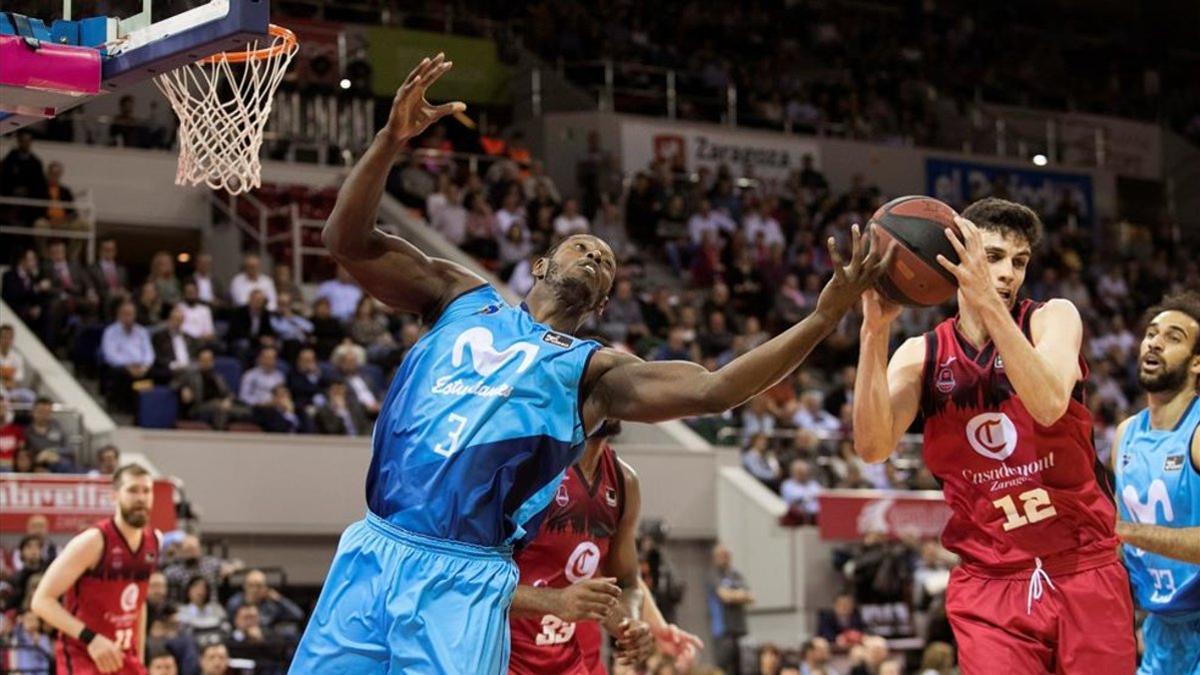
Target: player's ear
[{"x": 539, "y": 268}]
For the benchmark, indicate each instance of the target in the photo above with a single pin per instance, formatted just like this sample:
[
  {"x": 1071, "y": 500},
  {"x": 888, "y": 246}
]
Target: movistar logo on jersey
[
  {"x": 1147, "y": 511},
  {"x": 484, "y": 357},
  {"x": 486, "y": 360}
]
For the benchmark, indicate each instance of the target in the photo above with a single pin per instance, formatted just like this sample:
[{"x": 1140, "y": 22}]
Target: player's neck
[
  {"x": 1167, "y": 407},
  {"x": 970, "y": 325},
  {"x": 545, "y": 309},
  {"x": 590, "y": 460}
]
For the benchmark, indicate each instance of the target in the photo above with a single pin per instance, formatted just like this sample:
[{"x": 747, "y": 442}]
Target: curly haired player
[{"x": 1156, "y": 459}]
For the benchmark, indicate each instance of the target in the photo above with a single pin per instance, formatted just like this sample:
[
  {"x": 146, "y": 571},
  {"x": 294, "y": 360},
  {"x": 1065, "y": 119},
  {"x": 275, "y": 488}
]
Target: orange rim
[{"x": 284, "y": 41}]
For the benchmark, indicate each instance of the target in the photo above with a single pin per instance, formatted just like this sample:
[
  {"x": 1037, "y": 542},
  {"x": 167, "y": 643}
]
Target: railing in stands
[{"x": 82, "y": 205}]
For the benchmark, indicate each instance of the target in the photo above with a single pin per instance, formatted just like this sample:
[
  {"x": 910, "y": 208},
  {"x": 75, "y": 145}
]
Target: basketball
[{"x": 916, "y": 224}]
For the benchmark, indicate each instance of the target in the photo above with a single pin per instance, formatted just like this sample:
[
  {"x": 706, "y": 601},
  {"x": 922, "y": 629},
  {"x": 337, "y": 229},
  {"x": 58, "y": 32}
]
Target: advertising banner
[
  {"x": 770, "y": 157},
  {"x": 959, "y": 183},
  {"x": 849, "y": 514},
  {"x": 70, "y": 503}
]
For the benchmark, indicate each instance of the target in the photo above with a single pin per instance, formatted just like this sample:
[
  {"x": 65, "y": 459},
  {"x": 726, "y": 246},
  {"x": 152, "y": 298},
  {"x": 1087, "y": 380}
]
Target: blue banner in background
[{"x": 959, "y": 183}]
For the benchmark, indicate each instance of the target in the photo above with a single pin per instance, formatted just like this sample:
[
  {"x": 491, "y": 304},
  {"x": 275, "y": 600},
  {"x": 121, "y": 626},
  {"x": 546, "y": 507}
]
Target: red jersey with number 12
[
  {"x": 573, "y": 542},
  {"x": 109, "y": 598},
  {"x": 1017, "y": 490}
]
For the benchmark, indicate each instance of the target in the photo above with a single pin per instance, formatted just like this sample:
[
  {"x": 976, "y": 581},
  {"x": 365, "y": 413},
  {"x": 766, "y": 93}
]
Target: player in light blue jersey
[
  {"x": 1156, "y": 459},
  {"x": 485, "y": 414}
]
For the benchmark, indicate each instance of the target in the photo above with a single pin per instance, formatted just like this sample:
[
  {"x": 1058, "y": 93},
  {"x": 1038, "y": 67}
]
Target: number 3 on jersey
[
  {"x": 1035, "y": 503},
  {"x": 446, "y": 449}
]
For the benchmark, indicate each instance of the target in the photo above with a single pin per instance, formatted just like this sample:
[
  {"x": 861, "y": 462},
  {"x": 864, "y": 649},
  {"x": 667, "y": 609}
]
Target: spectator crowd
[{"x": 864, "y": 70}]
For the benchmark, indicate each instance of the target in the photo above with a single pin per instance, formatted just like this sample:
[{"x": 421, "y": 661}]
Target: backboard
[{"x": 51, "y": 63}]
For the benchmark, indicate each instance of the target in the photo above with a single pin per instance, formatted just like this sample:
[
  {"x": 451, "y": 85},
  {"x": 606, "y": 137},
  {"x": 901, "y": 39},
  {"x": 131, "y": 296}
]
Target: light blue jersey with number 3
[
  {"x": 478, "y": 428},
  {"x": 479, "y": 425},
  {"x": 1158, "y": 484}
]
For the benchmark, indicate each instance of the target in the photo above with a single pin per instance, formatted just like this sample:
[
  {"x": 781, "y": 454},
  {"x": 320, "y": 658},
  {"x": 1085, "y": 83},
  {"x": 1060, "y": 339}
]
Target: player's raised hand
[
  {"x": 972, "y": 271},
  {"x": 850, "y": 279},
  {"x": 107, "y": 656},
  {"x": 635, "y": 642},
  {"x": 878, "y": 311},
  {"x": 411, "y": 113},
  {"x": 588, "y": 600}
]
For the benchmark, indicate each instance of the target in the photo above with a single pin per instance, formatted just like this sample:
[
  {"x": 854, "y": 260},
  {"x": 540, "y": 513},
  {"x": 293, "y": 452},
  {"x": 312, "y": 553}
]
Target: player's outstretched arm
[
  {"x": 631, "y": 389},
  {"x": 79, "y": 555},
  {"x": 672, "y": 640},
  {"x": 388, "y": 267},
  {"x": 587, "y": 600},
  {"x": 1178, "y": 543},
  {"x": 1044, "y": 373}
]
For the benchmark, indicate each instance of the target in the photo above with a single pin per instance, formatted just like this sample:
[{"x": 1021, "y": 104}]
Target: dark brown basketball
[{"x": 917, "y": 225}]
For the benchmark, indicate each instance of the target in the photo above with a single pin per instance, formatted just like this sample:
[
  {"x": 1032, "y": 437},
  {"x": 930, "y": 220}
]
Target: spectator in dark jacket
[
  {"x": 279, "y": 417},
  {"x": 306, "y": 382},
  {"x": 71, "y": 294},
  {"x": 328, "y": 332},
  {"x": 22, "y": 175},
  {"x": 109, "y": 277},
  {"x": 26, "y": 292},
  {"x": 341, "y": 415},
  {"x": 842, "y": 618},
  {"x": 250, "y": 327},
  {"x": 174, "y": 351},
  {"x": 205, "y": 396}
]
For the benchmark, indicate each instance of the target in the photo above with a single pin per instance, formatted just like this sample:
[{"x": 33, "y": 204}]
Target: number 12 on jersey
[
  {"x": 459, "y": 423},
  {"x": 1035, "y": 504}
]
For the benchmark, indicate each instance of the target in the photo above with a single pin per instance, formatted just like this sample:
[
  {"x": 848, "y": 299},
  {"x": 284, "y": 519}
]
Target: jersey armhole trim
[
  {"x": 103, "y": 552},
  {"x": 1192, "y": 440},
  {"x": 931, "y": 349},
  {"x": 620, "y": 483},
  {"x": 436, "y": 316},
  {"x": 580, "y": 399}
]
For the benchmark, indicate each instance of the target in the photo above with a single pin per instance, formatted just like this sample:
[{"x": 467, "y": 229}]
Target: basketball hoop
[{"x": 223, "y": 102}]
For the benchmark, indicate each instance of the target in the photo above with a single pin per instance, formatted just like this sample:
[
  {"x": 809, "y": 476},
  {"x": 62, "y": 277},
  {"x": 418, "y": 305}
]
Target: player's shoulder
[
  {"x": 605, "y": 359},
  {"x": 911, "y": 352},
  {"x": 1055, "y": 310},
  {"x": 628, "y": 474},
  {"x": 88, "y": 543}
]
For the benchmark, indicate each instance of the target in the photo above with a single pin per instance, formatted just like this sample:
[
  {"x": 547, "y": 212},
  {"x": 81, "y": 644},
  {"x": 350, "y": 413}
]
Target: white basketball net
[{"x": 223, "y": 107}]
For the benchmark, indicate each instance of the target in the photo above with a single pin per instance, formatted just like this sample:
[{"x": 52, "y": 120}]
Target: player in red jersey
[
  {"x": 590, "y": 527},
  {"x": 104, "y": 572},
  {"x": 1040, "y": 588}
]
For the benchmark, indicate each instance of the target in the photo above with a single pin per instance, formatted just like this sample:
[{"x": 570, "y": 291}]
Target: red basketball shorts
[{"x": 1081, "y": 623}]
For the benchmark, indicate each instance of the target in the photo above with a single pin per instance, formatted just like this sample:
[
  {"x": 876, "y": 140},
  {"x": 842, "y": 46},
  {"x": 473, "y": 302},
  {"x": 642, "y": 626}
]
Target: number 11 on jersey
[{"x": 446, "y": 449}]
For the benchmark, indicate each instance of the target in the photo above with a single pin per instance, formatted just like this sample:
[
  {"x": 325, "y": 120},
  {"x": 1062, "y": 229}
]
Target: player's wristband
[{"x": 87, "y": 635}]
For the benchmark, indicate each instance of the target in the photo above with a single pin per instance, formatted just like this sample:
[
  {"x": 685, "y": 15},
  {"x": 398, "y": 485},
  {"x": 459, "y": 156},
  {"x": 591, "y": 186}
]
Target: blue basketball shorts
[
  {"x": 399, "y": 602},
  {"x": 1172, "y": 645}
]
